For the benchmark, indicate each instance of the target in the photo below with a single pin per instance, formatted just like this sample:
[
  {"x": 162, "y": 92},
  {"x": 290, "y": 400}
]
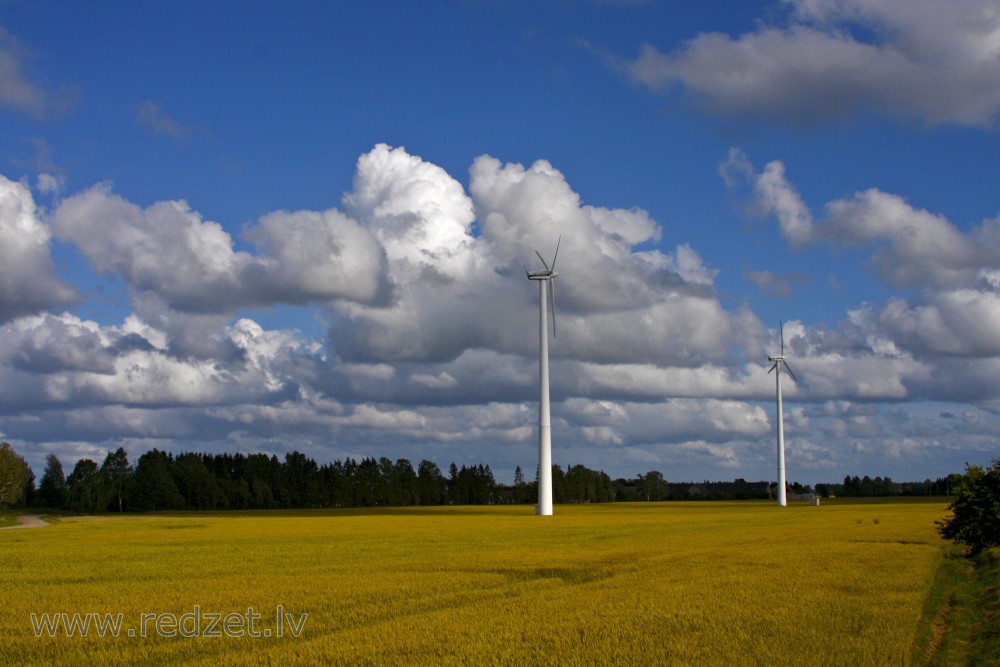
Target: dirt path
[{"x": 28, "y": 521}]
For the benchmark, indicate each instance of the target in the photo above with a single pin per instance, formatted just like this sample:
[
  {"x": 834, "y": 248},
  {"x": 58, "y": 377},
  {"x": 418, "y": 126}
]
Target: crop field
[{"x": 670, "y": 583}]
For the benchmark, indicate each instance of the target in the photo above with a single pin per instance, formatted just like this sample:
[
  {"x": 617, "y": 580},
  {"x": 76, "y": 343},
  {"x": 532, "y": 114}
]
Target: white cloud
[
  {"x": 49, "y": 184},
  {"x": 672, "y": 420},
  {"x": 26, "y": 282},
  {"x": 420, "y": 214},
  {"x": 432, "y": 345},
  {"x": 190, "y": 263},
  {"x": 921, "y": 248},
  {"x": 910, "y": 247},
  {"x": 166, "y": 249},
  {"x": 442, "y": 380},
  {"x": 962, "y": 322},
  {"x": 312, "y": 256},
  {"x": 777, "y": 196},
  {"x": 45, "y": 344},
  {"x": 602, "y": 435},
  {"x": 68, "y": 361},
  {"x": 455, "y": 292},
  {"x": 933, "y": 61},
  {"x": 523, "y": 210},
  {"x": 957, "y": 309}
]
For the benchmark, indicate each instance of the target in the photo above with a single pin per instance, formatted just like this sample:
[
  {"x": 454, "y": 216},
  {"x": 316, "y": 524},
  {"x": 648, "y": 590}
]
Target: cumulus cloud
[
  {"x": 432, "y": 337},
  {"x": 419, "y": 213},
  {"x": 603, "y": 279},
  {"x": 962, "y": 322},
  {"x": 313, "y": 256},
  {"x": 674, "y": 420},
  {"x": 903, "y": 348},
  {"x": 911, "y": 247},
  {"x": 47, "y": 344},
  {"x": 927, "y": 60},
  {"x": 433, "y": 332},
  {"x": 191, "y": 264},
  {"x": 67, "y": 361},
  {"x": 27, "y": 283},
  {"x": 455, "y": 291}
]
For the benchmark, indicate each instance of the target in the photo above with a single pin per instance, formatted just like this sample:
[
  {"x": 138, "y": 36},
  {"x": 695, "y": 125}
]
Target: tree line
[
  {"x": 866, "y": 487},
  {"x": 199, "y": 481},
  {"x": 160, "y": 480}
]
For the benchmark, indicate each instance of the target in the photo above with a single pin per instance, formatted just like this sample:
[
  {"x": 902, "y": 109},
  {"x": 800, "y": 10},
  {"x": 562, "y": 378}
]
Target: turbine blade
[
  {"x": 773, "y": 367},
  {"x": 543, "y": 261},
  {"x": 789, "y": 369},
  {"x": 552, "y": 299},
  {"x": 555, "y": 256},
  {"x": 781, "y": 332}
]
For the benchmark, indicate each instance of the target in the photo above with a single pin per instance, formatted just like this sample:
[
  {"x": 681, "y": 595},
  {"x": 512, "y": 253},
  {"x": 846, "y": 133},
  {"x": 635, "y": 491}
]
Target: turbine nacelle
[
  {"x": 548, "y": 274},
  {"x": 780, "y": 359}
]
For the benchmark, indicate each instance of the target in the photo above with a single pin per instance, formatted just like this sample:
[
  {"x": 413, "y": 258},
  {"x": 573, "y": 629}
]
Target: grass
[
  {"x": 944, "y": 634},
  {"x": 673, "y": 584},
  {"x": 961, "y": 616},
  {"x": 986, "y": 610}
]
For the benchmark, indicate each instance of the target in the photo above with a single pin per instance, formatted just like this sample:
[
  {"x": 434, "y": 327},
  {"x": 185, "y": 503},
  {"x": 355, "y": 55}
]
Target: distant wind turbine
[
  {"x": 544, "y": 506},
  {"x": 779, "y": 361}
]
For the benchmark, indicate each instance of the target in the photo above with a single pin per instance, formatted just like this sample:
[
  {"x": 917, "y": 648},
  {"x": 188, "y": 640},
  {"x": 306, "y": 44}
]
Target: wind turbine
[
  {"x": 544, "y": 506},
  {"x": 779, "y": 361}
]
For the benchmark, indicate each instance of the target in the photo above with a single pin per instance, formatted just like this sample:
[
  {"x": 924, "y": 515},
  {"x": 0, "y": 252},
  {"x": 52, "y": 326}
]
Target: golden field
[{"x": 668, "y": 583}]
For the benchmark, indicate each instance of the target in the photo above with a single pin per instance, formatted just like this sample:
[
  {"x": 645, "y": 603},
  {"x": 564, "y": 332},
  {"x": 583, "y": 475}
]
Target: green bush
[
  {"x": 975, "y": 519},
  {"x": 14, "y": 475}
]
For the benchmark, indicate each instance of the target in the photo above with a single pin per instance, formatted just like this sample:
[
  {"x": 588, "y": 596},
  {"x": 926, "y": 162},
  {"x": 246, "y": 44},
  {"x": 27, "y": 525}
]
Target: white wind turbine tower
[
  {"x": 544, "y": 506},
  {"x": 779, "y": 361}
]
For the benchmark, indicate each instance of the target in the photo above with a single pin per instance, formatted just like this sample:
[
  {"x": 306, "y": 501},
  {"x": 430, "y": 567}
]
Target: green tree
[
  {"x": 454, "y": 486},
  {"x": 115, "y": 476},
  {"x": 432, "y": 488},
  {"x": 302, "y": 477},
  {"x": 607, "y": 487},
  {"x": 484, "y": 486},
  {"x": 28, "y": 496},
  {"x": 405, "y": 481},
  {"x": 266, "y": 478},
  {"x": 652, "y": 486},
  {"x": 83, "y": 486},
  {"x": 368, "y": 489},
  {"x": 153, "y": 487},
  {"x": 196, "y": 483},
  {"x": 576, "y": 484},
  {"x": 520, "y": 487},
  {"x": 458, "y": 485},
  {"x": 52, "y": 488},
  {"x": 386, "y": 492},
  {"x": 14, "y": 475},
  {"x": 975, "y": 519},
  {"x": 336, "y": 485},
  {"x": 558, "y": 484}
]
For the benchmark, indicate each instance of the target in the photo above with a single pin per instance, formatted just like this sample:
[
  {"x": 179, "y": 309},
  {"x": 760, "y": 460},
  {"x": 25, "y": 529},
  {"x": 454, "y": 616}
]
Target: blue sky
[{"x": 274, "y": 226}]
